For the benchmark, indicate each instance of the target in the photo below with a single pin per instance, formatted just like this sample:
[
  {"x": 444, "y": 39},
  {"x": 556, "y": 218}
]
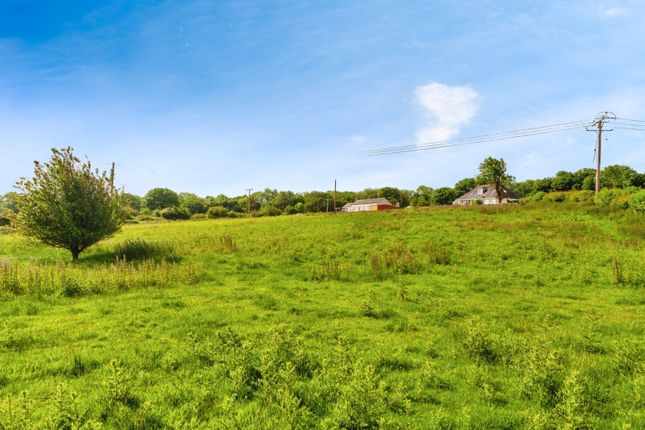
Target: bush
[
  {"x": 581, "y": 196},
  {"x": 139, "y": 249},
  {"x": 290, "y": 210},
  {"x": 555, "y": 197},
  {"x": 537, "y": 197},
  {"x": 637, "y": 201},
  {"x": 4, "y": 220},
  {"x": 607, "y": 196},
  {"x": 198, "y": 216},
  {"x": 269, "y": 210},
  {"x": 174, "y": 213},
  {"x": 217, "y": 212}
]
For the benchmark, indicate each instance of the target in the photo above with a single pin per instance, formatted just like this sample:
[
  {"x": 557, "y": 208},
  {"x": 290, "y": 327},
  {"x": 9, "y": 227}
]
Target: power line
[
  {"x": 632, "y": 120},
  {"x": 514, "y": 134}
]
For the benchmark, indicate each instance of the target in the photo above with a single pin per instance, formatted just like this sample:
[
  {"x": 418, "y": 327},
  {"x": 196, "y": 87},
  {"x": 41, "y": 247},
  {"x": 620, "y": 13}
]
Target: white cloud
[
  {"x": 359, "y": 138},
  {"x": 449, "y": 108},
  {"x": 613, "y": 12}
]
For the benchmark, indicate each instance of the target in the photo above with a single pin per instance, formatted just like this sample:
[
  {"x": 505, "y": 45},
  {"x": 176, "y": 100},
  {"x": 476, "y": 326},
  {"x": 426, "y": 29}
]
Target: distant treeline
[{"x": 162, "y": 202}]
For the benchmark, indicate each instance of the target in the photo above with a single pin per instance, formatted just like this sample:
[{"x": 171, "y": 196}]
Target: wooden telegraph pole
[
  {"x": 334, "y": 196},
  {"x": 248, "y": 200},
  {"x": 597, "y": 127}
]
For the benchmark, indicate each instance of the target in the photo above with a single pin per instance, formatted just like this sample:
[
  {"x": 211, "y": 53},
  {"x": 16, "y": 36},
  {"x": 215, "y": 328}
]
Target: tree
[
  {"x": 493, "y": 171},
  {"x": 443, "y": 196},
  {"x": 465, "y": 185},
  {"x": 67, "y": 204},
  {"x": 192, "y": 203},
  {"x": 618, "y": 176},
  {"x": 422, "y": 196},
  {"x": 131, "y": 200},
  {"x": 392, "y": 195},
  {"x": 563, "y": 181},
  {"x": 161, "y": 198},
  {"x": 584, "y": 177}
]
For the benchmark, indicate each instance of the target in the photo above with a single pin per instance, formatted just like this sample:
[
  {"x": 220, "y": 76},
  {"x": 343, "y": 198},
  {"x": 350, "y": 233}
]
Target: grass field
[{"x": 508, "y": 317}]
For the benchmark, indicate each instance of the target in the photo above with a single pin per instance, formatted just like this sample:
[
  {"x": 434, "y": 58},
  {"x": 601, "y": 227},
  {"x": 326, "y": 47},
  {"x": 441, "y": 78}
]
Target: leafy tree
[
  {"x": 465, "y": 185},
  {"x": 192, "y": 203},
  {"x": 563, "y": 181},
  {"x": 443, "y": 196},
  {"x": 67, "y": 204},
  {"x": 8, "y": 202},
  {"x": 617, "y": 176},
  {"x": 393, "y": 195},
  {"x": 493, "y": 171},
  {"x": 422, "y": 196},
  {"x": 639, "y": 180},
  {"x": 583, "y": 177},
  {"x": 316, "y": 201},
  {"x": 131, "y": 200},
  {"x": 160, "y": 198}
]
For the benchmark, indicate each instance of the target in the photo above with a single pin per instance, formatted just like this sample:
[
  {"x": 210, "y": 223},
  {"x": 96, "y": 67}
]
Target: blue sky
[{"x": 216, "y": 96}]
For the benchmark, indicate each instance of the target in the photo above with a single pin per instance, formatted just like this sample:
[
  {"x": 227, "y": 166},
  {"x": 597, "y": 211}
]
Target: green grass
[{"x": 513, "y": 317}]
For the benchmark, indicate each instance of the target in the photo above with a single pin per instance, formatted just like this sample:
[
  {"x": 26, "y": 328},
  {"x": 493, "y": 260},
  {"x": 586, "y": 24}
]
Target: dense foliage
[
  {"x": 273, "y": 202},
  {"x": 67, "y": 204}
]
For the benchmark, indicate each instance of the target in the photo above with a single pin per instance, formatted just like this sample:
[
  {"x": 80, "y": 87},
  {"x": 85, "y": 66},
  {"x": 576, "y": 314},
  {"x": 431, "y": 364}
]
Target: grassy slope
[{"x": 538, "y": 319}]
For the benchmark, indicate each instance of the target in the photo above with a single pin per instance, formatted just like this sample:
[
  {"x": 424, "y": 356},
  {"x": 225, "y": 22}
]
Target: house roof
[
  {"x": 490, "y": 192},
  {"x": 378, "y": 201}
]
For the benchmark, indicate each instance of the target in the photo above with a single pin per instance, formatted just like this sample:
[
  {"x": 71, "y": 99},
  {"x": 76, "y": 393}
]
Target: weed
[
  {"x": 368, "y": 306},
  {"x": 479, "y": 344},
  {"x": 16, "y": 412},
  {"x": 437, "y": 253},
  {"x": 329, "y": 269},
  {"x": 118, "y": 385},
  {"x": 617, "y": 270},
  {"x": 228, "y": 243},
  {"x": 66, "y": 414}
]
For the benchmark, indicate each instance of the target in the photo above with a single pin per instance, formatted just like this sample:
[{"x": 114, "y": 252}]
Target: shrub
[
  {"x": 4, "y": 220},
  {"x": 555, "y": 197},
  {"x": 139, "y": 249},
  {"x": 607, "y": 196},
  {"x": 581, "y": 196},
  {"x": 290, "y": 210},
  {"x": 637, "y": 201},
  {"x": 537, "y": 197},
  {"x": 174, "y": 213},
  {"x": 198, "y": 216},
  {"x": 269, "y": 210},
  {"x": 217, "y": 212}
]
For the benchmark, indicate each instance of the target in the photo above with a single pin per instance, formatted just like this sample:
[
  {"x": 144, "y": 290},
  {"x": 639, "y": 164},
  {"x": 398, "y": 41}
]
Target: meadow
[{"x": 485, "y": 317}]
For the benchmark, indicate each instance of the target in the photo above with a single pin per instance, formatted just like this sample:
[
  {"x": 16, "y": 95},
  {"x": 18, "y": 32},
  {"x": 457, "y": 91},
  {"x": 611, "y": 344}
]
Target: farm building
[
  {"x": 365, "y": 205},
  {"x": 486, "y": 194}
]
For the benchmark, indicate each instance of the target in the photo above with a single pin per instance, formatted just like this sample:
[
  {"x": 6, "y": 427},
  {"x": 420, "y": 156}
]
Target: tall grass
[{"x": 77, "y": 280}]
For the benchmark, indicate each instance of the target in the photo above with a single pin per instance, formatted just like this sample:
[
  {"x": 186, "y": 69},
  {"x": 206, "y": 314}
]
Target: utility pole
[
  {"x": 334, "y": 196},
  {"x": 248, "y": 200},
  {"x": 597, "y": 127}
]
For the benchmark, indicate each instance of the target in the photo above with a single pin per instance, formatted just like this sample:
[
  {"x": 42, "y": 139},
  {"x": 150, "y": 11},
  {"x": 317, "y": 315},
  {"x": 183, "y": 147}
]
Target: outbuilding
[{"x": 369, "y": 205}]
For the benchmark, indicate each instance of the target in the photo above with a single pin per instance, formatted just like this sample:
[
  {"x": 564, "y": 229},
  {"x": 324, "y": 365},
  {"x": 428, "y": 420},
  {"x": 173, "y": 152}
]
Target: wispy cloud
[
  {"x": 449, "y": 108},
  {"x": 613, "y": 12}
]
